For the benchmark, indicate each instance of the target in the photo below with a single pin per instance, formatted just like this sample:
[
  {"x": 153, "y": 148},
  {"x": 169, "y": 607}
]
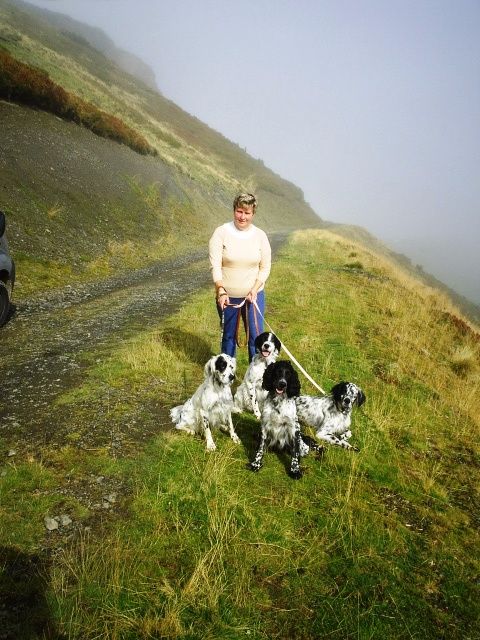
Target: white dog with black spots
[
  {"x": 330, "y": 416},
  {"x": 211, "y": 404},
  {"x": 250, "y": 394}
]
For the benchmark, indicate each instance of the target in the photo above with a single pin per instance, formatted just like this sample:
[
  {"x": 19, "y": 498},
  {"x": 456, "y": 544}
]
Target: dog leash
[
  {"x": 246, "y": 320},
  {"x": 290, "y": 355}
]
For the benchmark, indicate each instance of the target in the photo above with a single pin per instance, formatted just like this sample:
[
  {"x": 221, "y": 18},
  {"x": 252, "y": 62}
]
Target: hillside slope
[
  {"x": 80, "y": 206},
  {"x": 99, "y": 40},
  {"x": 361, "y": 235}
]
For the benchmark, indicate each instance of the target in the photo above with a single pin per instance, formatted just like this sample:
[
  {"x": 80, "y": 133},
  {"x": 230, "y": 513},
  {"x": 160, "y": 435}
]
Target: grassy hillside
[
  {"x": 25, "y": 84},
  {"x": 80, "y": 207},
  {"x": 359, "y": 234},
  {"x": 99, "y": 40},
  {"x": 377, "y": 544}
]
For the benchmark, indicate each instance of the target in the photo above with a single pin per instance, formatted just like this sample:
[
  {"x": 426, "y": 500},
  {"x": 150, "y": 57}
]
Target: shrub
[
  {"x": 463, "y": 361},
  {"x": 464, "y": 329},
  {"x": 28, "y": 85},
  {"x": 354, "y": 265}
]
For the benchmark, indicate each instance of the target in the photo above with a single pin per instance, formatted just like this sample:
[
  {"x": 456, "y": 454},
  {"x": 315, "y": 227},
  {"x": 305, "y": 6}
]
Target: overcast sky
[{"x": 372, "y": 107}]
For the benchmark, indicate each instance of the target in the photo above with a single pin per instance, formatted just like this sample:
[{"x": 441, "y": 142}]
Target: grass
[{"x": 378, "y": 544}]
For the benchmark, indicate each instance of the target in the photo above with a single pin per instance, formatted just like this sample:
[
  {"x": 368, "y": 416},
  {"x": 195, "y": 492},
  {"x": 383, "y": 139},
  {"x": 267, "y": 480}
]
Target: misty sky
[{"x": 372, "y": 107}]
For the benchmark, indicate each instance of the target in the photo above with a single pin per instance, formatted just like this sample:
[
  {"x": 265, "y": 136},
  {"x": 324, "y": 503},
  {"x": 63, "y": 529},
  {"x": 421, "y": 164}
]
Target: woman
[{"x": 240, "y": 258}]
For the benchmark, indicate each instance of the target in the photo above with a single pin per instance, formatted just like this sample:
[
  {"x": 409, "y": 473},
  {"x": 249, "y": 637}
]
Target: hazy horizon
[{"x": 372, "y": 108}]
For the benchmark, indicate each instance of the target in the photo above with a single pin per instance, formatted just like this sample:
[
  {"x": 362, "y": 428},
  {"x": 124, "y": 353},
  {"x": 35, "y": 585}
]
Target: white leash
[{"x": 290, "y": 355}]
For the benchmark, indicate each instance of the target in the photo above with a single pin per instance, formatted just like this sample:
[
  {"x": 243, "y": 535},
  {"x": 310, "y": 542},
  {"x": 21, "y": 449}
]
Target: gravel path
[{"x": 43, "y": 343}]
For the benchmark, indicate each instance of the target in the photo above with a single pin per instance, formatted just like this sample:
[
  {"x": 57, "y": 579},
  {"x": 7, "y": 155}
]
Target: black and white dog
[
  {"x": 279, "y": 426},
  {"x": 211, "y": 404},
  {"x": 250, "y": 394},
  {"x": 330, "y": 416}
]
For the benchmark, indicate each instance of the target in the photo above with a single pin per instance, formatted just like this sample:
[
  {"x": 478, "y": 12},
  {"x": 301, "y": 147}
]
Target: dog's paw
[
  {"x": 257, "y": 414},
  {"x": 254, "y": 467},
  {"x": 295, "y": 474},
  {"x": 236, "y": 439},
  {"x": 236, "y": 409},
  {"x": 356, "y": 449},
  {"x": 211, "y": 446},
  {"x": 186, "y": 429}
]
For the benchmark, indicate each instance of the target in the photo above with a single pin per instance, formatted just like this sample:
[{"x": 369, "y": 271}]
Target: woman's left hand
[{"x": 251, "y": 296}]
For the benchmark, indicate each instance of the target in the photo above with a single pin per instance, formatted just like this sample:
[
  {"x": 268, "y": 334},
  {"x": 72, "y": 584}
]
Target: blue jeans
[{"x": 231, "y": 320}]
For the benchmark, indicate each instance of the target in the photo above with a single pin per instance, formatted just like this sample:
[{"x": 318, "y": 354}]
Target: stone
[{"x": 51, "y": 523}]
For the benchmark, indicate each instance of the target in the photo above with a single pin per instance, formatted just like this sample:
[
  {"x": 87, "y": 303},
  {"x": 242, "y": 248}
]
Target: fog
[{"x": 371, "y": 107}]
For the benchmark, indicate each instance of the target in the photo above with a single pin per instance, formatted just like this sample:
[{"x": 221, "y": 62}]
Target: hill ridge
[{"x": 98, "y": 39}]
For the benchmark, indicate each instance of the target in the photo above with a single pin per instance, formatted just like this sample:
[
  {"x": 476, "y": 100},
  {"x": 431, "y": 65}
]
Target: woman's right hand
[{"x": 222, "y": 299}]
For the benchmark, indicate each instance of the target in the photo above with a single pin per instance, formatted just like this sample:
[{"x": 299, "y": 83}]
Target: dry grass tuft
[{"x": 464, "y": 361}]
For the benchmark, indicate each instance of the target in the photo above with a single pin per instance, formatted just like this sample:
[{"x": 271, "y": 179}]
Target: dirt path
[{"x": 43, "y": 344}]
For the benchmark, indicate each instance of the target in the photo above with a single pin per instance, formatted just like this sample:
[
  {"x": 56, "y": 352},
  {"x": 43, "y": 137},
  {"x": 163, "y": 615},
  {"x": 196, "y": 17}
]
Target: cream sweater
[{"x": 238, "y": 258}]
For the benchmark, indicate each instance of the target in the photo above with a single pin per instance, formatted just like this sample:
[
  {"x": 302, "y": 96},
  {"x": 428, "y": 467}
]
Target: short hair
[{"x": 246, "y": 199}]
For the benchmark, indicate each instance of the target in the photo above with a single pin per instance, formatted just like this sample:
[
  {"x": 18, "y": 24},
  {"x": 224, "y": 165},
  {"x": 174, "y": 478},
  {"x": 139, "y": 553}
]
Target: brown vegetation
[
  {"x": 28, "y": 85},
  {"x": 463, "y": 327}
]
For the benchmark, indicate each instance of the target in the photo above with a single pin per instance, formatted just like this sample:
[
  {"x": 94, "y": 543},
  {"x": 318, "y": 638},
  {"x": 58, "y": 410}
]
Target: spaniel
[
  {"x": 330, "y": 416},
  {"x": 279, "y": 425},
  {"x": 211, "y": 404},
  {"x": 250, "y": 394}
]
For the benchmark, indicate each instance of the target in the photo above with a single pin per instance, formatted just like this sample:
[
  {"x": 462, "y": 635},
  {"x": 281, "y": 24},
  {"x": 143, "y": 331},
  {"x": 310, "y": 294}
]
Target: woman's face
[{"x": 243, "y": 216}]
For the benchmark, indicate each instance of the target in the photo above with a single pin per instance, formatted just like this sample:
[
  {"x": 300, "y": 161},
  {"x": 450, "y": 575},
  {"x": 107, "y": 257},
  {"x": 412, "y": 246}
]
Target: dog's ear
[
  {"x": 209, "y": 368},
  {"x": 361, "y": 397},
  {"x": 293, "y": 388},
  {"x": 220, "y": 363},
  {"x": 277, "y": 343},
  {"x": 259, "y": 340},
  {"x": 267, "y": 381},
  {"x": 338, "y": 390}
]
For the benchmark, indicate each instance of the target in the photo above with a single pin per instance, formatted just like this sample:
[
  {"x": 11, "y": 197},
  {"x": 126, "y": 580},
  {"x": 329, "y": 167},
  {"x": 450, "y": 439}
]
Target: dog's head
[
  {"x": 346, "y": 395},
  {"x": 281, "y": 379},
  {"x": 221, "y": 369},
  {"x": 267, "y": 344}
]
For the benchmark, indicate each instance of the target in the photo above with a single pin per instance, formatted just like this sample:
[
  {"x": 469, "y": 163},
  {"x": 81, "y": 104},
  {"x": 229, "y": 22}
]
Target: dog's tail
[
  {"x": 312, "y": 444},
  {"x": 176, "y": 413}
]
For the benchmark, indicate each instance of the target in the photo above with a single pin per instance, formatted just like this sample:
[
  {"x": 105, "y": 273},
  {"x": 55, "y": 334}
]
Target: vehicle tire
[{"x": 4, "y": 303}]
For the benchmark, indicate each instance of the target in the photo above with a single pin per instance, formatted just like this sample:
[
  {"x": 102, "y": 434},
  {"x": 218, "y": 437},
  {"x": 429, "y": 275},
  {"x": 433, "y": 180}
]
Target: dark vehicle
[{"x": 7, "y": 273}]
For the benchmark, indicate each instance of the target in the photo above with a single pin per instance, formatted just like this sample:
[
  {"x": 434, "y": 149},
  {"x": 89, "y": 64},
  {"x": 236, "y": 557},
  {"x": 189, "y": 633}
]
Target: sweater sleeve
[
  {"x": 265, "y": 258},
  {"x": 215, "y": 251}
]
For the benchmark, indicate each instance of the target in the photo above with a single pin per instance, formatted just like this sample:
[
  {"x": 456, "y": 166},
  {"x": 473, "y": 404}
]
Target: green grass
[
  {"x": 378, "y": 544},
  {"x": 28, "y": 494},
  {"x": 55, "y": 244}
]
